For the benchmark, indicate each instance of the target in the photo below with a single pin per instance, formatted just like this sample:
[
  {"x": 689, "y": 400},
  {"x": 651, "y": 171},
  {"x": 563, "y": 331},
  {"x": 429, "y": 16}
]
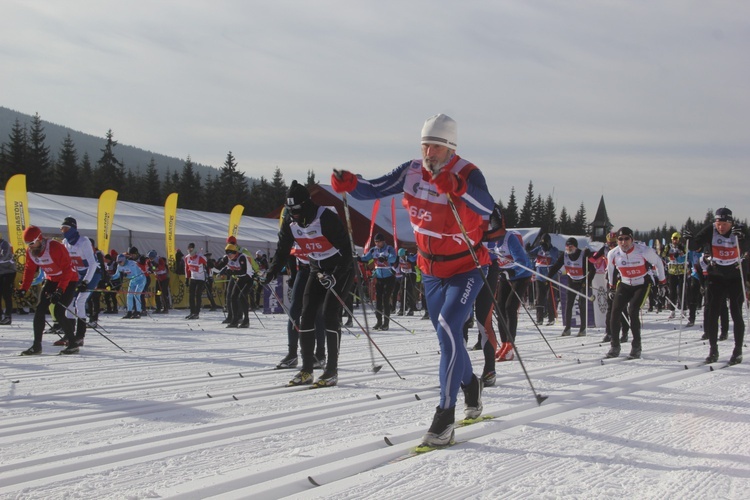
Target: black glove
[
  {"x": 687, "y": 234},
  {"x": 20, "y": 293},
  {"x": 611, "y": 294},
  {"x": 327, "y": 280},
  {"x": 267, "y": 278},
  {"x": 508, "y": 273},
  {"x": 82, "y": 286},
  {"x": 381, "y": 259},
  {"x": 55, "y": 296},
  {"x": 739, "y": 230},
  {"x": 187, "y": 282}
]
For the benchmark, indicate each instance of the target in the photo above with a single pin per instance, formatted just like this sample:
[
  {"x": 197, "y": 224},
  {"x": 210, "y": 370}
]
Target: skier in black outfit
[
  {"x": 724, "y": 278},
  {"x": 320, "y": 233},
  {"x": 580, "y": 270}
]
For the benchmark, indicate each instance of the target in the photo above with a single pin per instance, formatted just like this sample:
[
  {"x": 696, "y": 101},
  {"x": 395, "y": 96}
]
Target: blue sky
[{"x": 644, "y": 102}]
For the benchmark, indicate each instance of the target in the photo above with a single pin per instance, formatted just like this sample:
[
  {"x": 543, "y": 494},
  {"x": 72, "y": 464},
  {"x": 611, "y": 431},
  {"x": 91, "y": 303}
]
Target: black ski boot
[
  {"x": 473, "y": 397},
  {"x": 736, "y": 356},
  {"x": 441, "y": 431},
  {"x": 713, "y": 355},
  {"x": 566, "y": 332}
]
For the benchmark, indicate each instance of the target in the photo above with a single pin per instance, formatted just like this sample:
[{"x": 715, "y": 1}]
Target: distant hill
[{"x": 131, "y": 156}]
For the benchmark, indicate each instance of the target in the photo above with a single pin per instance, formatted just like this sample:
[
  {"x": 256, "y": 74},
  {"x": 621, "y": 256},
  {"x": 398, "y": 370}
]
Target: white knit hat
[{"x": 440, "y": 129}]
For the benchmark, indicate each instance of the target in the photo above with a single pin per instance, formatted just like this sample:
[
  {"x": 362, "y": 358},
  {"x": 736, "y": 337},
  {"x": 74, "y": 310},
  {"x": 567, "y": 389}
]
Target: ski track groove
[{"x": 610, "y": 384}]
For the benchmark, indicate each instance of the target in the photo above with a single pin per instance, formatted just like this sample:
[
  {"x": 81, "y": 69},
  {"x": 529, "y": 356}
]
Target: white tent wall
[{"x": 142, "y": 226}]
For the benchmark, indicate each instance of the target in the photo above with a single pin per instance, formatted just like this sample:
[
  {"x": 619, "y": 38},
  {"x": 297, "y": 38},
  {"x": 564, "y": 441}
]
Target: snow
[{"x": 135, "y": 425}]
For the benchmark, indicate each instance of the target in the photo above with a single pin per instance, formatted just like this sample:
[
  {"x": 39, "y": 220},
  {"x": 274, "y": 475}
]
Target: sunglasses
[{"x": 231, "y": 252}]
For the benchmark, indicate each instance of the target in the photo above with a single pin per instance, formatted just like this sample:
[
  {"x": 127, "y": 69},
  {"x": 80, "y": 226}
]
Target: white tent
[{"x": 142, "y": 226}]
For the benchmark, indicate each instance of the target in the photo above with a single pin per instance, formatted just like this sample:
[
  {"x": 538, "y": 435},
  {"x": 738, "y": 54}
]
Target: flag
[
  {"x": 375, "y": 207},
  {"x": 17, "y": 213},
  {"x": 234, "y": 220},
  {"x": 105, "y": 218},
  {"x": 393, "y": 218},
  {"x": 170, "y": 228}
]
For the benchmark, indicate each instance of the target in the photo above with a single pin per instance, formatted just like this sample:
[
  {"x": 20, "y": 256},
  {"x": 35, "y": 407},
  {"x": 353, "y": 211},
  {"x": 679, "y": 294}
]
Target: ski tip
[
  {"x": 387, "y": 441},
  {"x": 686, "y": 367},
  {"x": 376, "y": 368},
  {"x": 209, "y": 374},
  {"x": 602, "y": 361},
  {"x": 313, "y": 481},
  {"x": 418, "y": 398},
  {"x": 377, "y": 396},
  {"x": 241, "y": 375},
  {"x": 579, "y": 360},
  {"x": 210, "y": 396},
  {"x": 710, "y": 368},
  {"x": 540, "y": 399},
  {"x": 235, "y": 397}
]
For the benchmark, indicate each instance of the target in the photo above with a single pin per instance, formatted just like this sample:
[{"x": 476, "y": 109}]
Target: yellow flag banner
[
  {"x": 234, "y": 220},
  {"x": 17, "y": 213},
  {"x": 170, "y": 228},
  {"x": 105, "y": 218}
]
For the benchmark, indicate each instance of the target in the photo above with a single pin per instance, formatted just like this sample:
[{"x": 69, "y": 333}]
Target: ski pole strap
[{"x": 444, "y": 258}]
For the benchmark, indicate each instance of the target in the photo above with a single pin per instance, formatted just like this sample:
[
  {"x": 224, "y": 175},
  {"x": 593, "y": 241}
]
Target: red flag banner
[{"x": 375, "y": 208}]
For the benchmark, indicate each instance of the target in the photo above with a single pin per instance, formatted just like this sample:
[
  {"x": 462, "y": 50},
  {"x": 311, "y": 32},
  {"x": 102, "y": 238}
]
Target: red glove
[
  {"x": 343, "y": 181},
  {"x": 449, "y": 183}
]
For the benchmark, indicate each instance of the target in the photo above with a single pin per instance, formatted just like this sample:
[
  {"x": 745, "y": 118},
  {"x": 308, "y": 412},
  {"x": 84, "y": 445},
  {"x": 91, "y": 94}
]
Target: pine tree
[
  {"x": 537, "y": 212},
  {"x": 169, "y": 186},
  {"x": 87, "y": 177},
  {"x": 16, "y": 151},
  {"x": 110, "y": 172},
  {"x": 511, "y": 211},
  {"x": 277, "y": 196},
  {"x": 565, "y": 224},
  {"x": 67, "y": 170},
  {"x": 211, "y": 193},
  {"x": 525, "y": 218},
  {"x": 189, "y": 187},
  {"x": 550, "y": 216},
  {"x": 261, "y": 194},
  {"x": 310, "y": 179},
  {"x": 38, "y": 162},
  {"x": 234, "y": 186},
  {"x": 579, "y": 221},
  {"x": 152, "y": 185}
]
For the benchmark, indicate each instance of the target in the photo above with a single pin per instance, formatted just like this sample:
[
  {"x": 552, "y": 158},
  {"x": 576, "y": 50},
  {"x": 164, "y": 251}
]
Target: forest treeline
[{"x": 63, "y": 171}]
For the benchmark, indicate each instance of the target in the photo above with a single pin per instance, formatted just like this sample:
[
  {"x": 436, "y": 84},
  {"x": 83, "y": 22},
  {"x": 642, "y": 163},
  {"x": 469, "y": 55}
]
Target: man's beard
[{"x": 434, "y": 166}]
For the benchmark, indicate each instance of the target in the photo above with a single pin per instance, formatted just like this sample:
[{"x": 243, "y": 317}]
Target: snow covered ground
[{"x": 109, "y": 424}]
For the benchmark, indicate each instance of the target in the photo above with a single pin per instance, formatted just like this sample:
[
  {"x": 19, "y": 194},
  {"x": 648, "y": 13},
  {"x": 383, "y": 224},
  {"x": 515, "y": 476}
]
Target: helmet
[
  {"x": 230, "y": 248},
  {"x": 133, "y": 251},
  {"x": 546, "y": 238},
  {"x": 402, "y": 252},
  {"x": 152, "y": 254},
  {"x": 571, "y": 241},
  {"x": 122, "y": 258},
  {"x": 612, "y": 237},
  {"x": 676, "y": 235},
  {"x": 379, "y": 237},
  {"x": 232, "y": 240},
  {"x": 31, "y": 234}
]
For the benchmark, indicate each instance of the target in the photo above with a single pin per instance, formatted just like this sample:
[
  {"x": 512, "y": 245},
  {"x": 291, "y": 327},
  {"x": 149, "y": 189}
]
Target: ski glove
[
  {"x": 327, "y": 280},
  {"x": 20, "y": 294},
  {"x": 449, "y": 183},
  {"x": 687, "y": 234},
  {"x": 739, "y": 231},
  {"x": 343, "y": 181},
  {"x": 82, "y": 286},
  {"x": 55, "y": 296},
  {"x": 611, "y": 294},
  {"x": 267, "y": 278}
]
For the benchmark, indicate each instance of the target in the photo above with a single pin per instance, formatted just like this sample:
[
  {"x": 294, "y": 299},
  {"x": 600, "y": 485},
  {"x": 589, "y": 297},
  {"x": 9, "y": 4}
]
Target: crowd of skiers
[{"x": 466, "y": 266}]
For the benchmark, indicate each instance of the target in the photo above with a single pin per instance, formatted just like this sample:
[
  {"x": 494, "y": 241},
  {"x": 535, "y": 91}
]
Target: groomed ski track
[{"x": 196, "y": 410}]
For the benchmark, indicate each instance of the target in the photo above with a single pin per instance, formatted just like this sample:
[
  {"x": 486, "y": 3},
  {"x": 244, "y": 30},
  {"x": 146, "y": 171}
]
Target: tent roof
[{"x": 141, "y": 225}]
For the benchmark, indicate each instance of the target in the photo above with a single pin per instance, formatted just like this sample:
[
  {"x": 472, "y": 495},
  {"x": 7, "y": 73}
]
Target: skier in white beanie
[{"x": 451, "y": 277}]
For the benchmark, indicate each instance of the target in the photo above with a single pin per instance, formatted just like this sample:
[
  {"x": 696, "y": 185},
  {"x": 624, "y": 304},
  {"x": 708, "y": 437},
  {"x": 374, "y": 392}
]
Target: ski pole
[
  {"x": 534, "y": 322},
  {"x": 742, "y": 280},
  {"x": 467, "y": 240},
  {"x": 592, "y": 298},
  {"x": 93, "y": 328},
  {"x": 283, "y": 306},
  {"x": 372, "y": 342},
  {"x": 360, "y": 282},
  {"x": 682, "y": 303}
]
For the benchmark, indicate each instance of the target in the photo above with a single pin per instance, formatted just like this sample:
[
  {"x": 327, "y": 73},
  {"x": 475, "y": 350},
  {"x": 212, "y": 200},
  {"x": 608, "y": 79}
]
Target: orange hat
[{"x": 31, "y": 234}]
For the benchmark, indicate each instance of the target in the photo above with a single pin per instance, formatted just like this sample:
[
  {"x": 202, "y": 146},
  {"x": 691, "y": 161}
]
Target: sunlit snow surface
[{"x": 110, "y": 424}]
